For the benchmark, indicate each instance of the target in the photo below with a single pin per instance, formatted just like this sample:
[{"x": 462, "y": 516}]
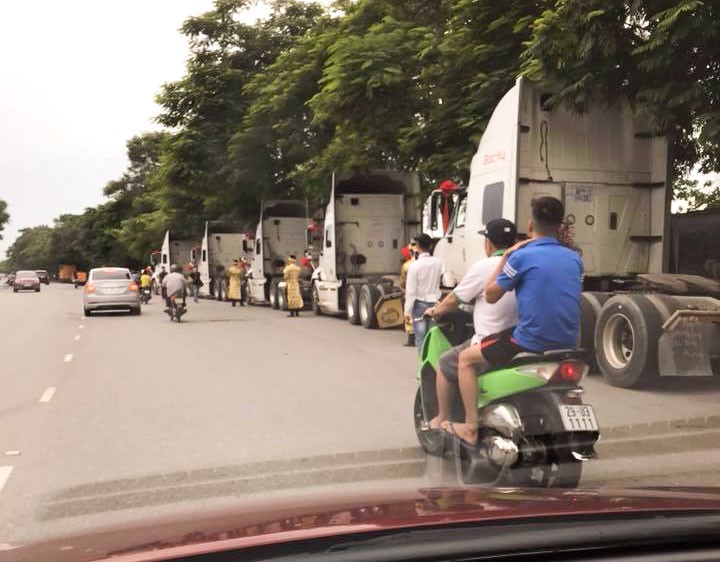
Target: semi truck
[
  {"x": 281, "y": 231},
  {"x": 216, "y": 253},
  {"x": 613, "y": 175},
  {"x": 178, "y": 252},
  {"x": 369, "y": 218}
]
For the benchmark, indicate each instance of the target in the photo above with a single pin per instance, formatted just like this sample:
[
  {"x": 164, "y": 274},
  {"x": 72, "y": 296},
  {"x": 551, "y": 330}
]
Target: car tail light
[
  {"x": 133, "y": 286},
  {"x": 89, "y": 288}
]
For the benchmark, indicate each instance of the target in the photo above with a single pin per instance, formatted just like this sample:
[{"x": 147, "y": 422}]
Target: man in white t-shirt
[{"x": 488, "y": 318}]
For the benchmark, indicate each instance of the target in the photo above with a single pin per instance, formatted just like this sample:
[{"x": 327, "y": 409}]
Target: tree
[
  {"x": 208, "y": 105},
  {"x": 4, "y": 216},
  {"x": 696, "y": 197},
  {"x": 662, "y": 54},
  {"x": 31, "y": 250}
]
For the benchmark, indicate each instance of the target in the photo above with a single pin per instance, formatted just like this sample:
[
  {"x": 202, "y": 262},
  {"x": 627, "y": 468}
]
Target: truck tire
[
  {"x": 315, "y": 295},
  {"x": 351, "y": 305},
  {"x": 626, "y": 341},
  {"x": 274, "y": 294},
  {"x": 369, "y": 296},
  {"x": 591, "y": 304}
]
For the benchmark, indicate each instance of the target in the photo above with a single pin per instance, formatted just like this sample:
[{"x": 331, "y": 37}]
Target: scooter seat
[{"x": 550, "y": 355}]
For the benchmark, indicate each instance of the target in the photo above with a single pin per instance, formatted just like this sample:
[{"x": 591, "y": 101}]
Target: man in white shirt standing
[
  {"x": 422, "y": 288},
  {"x": 488, "y": 318}
]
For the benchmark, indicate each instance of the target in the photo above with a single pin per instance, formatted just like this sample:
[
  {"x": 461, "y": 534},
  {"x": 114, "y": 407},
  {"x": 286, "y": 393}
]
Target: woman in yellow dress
[
  {"x": 235, "y": 276},
  {"x": 291, "y": 274}
]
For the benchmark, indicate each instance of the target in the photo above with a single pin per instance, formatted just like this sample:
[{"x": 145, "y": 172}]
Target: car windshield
[
  {"x": 436, "y": 259},
  {"x": 110, "y": 275}
]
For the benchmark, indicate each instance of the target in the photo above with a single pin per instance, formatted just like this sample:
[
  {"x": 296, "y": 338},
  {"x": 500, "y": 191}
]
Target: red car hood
[{"x": 286, "y": 520}]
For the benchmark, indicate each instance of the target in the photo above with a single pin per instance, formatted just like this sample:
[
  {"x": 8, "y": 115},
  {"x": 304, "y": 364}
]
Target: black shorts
[{"x": 499, "y": 349}]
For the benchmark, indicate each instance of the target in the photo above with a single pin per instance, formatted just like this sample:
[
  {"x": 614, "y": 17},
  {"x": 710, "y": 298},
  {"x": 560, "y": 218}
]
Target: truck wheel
[
  {"x": 591, "y": 304},
  {"x": 281, "y": 299},
  {"x": 274, "y": 294},
  {"x": 316, "y": 300},
  {"x": 369, "y": 296},
  {"x": 626, "y": 341},
  {"x": 351, "y": 305}
]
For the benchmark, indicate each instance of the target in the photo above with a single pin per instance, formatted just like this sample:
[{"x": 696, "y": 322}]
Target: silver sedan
[{"x": 111, "y": 288}]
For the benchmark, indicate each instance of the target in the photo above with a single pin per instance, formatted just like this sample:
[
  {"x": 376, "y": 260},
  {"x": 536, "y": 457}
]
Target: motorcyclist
[
  {"x": 547, "y": 279},
  {"x": 145, "y": 280},
  {"x": 500, "y": 234},
  {"x": 174, "y": 285}
]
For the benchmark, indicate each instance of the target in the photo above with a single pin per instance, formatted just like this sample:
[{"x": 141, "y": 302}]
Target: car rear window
[
  {"x": 26, "y": 274},
  {"x": 110, "y": 274}
]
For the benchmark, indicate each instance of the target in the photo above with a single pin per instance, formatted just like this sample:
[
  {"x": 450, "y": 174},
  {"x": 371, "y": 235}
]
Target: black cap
[{"x": 501, "y": 232}]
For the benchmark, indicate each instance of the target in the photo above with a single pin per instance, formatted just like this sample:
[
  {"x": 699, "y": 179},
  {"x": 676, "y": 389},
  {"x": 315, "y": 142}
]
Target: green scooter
[{"x": 534, "y": 429}]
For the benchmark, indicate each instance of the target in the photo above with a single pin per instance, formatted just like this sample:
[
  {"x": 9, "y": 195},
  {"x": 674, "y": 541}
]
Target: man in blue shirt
[{"x": 547, "y": 279}]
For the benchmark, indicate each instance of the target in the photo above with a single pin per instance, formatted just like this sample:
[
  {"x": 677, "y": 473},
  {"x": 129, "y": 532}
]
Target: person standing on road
[
  {"x": 500, "y": 234},
  {"x": 291, "y": 275},
  {"x": 235, "y": 277},
  {"x": 195, "y": 283},
  {"x": 242, "y": 264},
  {"x": 408, "y": 254},
  {"x": 422, "y": 289}
]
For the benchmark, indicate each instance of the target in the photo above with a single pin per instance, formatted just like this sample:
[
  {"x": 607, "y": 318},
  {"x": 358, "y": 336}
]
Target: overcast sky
[{"x": 79, "y": 78}]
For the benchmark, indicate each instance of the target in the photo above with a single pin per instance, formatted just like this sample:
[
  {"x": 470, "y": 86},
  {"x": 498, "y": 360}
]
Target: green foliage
[
  {"x": 662, "y": 54},
  {"x": 271, "y": 110},
  {"x": 31, "y": 250},
  {"x": 4, "y": 216},
  {"x": 695, "y": 197}
]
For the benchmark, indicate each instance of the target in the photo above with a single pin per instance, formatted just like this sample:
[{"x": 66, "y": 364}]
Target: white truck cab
[
  {"x": 612, "y": 175},
  {"x": 217, "y": 251},
  {"x": 369, "y": 218},
  {"x": 281, "y": 231}
]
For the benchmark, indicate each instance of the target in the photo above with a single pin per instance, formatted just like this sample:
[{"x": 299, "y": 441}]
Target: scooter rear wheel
[{"x": 561, "y": 470}]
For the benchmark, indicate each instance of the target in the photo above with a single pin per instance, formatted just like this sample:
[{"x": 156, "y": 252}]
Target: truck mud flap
[
  {"x": 389, "y": 311},
  {"x": 688, "y": 342}
]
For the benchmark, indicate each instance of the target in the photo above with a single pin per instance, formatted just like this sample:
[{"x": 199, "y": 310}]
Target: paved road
[{"x": 108, "y": 417}]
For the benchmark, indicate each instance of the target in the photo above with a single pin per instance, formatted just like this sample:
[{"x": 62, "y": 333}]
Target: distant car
[
  {"x": 26, "y": 280},
  {"x": 43, "y": 275},
  {"x": 111, "y": 288}
]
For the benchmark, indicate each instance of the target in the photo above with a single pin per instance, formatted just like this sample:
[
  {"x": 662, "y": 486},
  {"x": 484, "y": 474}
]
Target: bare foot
[
  {"x": 436, "y": 422},
  {"x": 465, "y": 431}
]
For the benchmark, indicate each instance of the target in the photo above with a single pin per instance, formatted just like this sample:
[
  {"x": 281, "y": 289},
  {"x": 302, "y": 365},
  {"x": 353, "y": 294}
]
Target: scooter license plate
[{"x": 578, "y": 418}]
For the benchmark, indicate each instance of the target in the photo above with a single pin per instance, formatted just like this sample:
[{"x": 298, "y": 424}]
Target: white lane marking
[
  {"x": 81, "y": 326},
  {"x": 12, "y": 453},
  {"x": 77, "y": 338},
  {"x": 5, "y": 472},
  {"x": 68, "y": 358},
  {"x": 48, "y": 394}
]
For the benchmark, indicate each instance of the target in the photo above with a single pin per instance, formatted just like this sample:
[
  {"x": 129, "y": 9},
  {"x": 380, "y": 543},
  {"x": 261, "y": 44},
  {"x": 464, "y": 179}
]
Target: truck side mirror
[{"x": 245, "y": 246}]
